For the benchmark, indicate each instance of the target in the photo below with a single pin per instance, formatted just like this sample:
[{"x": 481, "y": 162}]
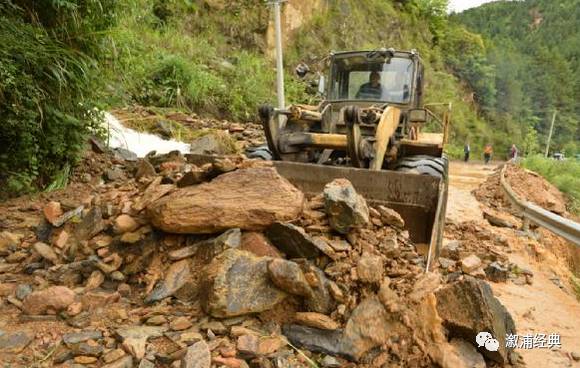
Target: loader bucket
[{"x": 419, "y": 199}]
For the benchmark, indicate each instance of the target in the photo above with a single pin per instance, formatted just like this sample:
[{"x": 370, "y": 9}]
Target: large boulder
[
  {"x": 91, "y": 224},
  {"x": 249, "y": 199},
  {"x": 320, "y": 299},
  {"x": 370, "y": 268},
  {"x": 468, "y": 307},
  {"x": 288, "y": 276},
  {"x": 344, "y": 206},
  {"x": 498, "y": 219},
  {"x": 15, "y": 342},
  {"x": 236, "y": 283},
  {"x": 197, "y": 356},
  {"x": 8, "y": 243}
]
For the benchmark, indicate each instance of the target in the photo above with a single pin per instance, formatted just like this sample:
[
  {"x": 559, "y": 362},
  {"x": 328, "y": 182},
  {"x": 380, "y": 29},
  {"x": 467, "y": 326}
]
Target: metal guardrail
[{"x": 559, "y": 225}]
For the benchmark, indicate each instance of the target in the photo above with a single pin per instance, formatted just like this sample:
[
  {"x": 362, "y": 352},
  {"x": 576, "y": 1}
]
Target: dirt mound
[
  {"x": 490, "y": 192},
  {"x": 532, "y": 187},
  {"x": 528, "y": 185}
]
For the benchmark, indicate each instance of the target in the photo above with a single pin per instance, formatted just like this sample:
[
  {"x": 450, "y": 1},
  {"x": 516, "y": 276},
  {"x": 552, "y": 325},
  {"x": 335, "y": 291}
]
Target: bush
[
  {"x": 47, "y": 87},
  {"x": 252, "y": 83},
  {"x": 174, "y": 81}
]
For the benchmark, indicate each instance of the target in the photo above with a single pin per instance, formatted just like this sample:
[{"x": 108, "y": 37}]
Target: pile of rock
[
  {"x": 474, "y": 250},
  {"x": 228, "y": 264}
]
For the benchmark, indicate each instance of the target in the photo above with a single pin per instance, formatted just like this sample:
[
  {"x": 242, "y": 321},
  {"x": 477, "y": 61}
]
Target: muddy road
[{"x": 541, "y": 308}]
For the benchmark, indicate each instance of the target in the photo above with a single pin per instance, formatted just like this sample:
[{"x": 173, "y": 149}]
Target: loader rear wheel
[{"x": 424, "y": 165}]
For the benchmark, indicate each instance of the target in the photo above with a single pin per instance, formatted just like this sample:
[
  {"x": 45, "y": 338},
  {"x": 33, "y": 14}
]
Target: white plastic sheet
[{"x": 139, "y": 143}]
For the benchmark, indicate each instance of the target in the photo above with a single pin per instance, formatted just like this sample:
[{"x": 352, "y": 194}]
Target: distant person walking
[
  {"x": 487, "y": 153},
  {"x": 466, "y": 151},
  {"x": 513, "y": 153}
]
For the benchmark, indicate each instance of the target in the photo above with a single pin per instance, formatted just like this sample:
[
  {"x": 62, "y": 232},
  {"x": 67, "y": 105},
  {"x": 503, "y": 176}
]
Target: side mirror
[
  {"x": 301, "y": 70},
  {"x": 418, "y": 116},
  {"x": 321, "y": 85}
]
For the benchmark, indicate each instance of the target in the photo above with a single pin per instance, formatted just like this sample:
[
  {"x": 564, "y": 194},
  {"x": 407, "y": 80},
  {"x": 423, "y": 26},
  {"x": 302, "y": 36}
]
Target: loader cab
[{"x": 399, "y": 74}]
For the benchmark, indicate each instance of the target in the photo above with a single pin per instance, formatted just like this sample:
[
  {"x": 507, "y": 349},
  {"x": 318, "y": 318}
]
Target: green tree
[
  {"x": 531, "y": 145},
  {"x": 533, "y": 46},
  {"x": 432, "y": 11},
  {"x": 465, "y": 53}
]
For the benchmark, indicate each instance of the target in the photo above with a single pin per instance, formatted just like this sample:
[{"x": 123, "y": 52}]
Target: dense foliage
[
  {"x": 48, "y": 86},
  {"x": 526, "y": 66},
  {"x": 61, "y": 58}
]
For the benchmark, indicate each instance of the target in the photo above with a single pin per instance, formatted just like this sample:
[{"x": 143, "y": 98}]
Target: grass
[
  {"x": 565, "y": 175},
  {"x": 310, "y": 361},
  {"x": 194, "y": 59},
  {"x": 61, "y": 179}
]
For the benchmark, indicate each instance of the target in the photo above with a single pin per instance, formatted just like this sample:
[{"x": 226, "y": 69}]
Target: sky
[{"x": 460, "y": 5}]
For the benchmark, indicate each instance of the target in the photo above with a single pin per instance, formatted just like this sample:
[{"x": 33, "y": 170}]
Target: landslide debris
[
  {"x": 499, "y": 213},
  {"x": 236, "y": 268},
  {"x": 527, "y": 185}
]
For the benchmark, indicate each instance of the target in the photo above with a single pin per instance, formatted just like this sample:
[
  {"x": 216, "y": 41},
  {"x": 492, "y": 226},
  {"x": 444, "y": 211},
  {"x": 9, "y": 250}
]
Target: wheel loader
[{"x": 370, "y": 128}]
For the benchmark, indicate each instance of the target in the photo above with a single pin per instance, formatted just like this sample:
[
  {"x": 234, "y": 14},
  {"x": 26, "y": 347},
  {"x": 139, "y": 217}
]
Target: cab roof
[{"x": 400, "y": 53}]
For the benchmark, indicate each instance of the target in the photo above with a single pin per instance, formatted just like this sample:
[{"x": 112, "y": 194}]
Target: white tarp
[{"x": 139, "y": 143}]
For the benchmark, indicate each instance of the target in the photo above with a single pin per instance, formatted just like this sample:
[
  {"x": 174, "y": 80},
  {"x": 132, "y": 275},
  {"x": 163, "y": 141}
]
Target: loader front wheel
[
  {"x": 437, "y": 167},
  {"x": 424, "y": 165}
]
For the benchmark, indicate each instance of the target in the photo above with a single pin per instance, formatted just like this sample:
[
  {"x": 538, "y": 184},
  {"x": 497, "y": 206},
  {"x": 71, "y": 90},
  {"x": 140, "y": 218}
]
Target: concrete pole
[
  {"x": 279, "y": 58},
  {"x": 551, "y": 131}
]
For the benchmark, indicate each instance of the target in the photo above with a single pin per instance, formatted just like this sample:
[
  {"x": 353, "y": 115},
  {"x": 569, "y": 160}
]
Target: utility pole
[
  {"x": 279, "y": 57},
  {"x": 551, "y": 131}
]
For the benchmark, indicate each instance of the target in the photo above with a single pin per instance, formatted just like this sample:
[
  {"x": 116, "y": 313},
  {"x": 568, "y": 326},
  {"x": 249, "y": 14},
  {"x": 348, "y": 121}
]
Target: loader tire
[
  {"x": 261, "y": 152},
  {"x": 424, "y": 165}
]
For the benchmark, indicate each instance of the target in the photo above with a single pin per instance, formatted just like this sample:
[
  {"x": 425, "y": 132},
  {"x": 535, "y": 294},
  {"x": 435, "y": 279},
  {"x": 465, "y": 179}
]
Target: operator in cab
[{"x": 371, "y": 90}]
